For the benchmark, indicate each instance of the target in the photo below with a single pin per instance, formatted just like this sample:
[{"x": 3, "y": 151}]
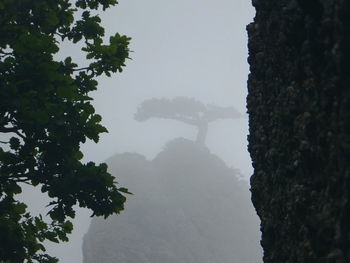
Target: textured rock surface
[
  {"x": 187, "y": 207},
  {"x": 298, "y": 103}
]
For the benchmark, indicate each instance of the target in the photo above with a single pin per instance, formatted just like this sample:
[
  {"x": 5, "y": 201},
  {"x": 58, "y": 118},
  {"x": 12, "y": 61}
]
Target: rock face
[
  {"x": 299, "y": 110},
  {"x": 187, "y": 207}
]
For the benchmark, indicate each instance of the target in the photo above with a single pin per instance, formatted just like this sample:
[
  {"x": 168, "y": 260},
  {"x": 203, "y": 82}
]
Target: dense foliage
[{"x": 46, "y": 115}]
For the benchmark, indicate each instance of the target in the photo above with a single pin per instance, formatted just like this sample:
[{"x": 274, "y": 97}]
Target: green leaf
[
  {"x": 79, "y": 155},
  {"x": 65, "y": 92},
  {"x": 95, "y": 118},
  {"x": 14, "y": 143},
  {"x": 41, "y": 116},
  {"x": 124, "y": 190},
  {"x": 52, "y": 236},
  {"x": 20, "y": 208}
]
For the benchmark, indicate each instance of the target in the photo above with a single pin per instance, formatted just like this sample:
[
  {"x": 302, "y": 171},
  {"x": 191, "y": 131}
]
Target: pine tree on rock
[{"x": 186, "y": 110}]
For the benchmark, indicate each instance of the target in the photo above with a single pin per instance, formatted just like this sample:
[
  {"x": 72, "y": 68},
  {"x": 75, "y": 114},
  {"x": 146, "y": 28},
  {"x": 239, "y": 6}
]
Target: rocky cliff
[
  {"x": 299, "y": 117},
  {"x": 187, "y": 207}
]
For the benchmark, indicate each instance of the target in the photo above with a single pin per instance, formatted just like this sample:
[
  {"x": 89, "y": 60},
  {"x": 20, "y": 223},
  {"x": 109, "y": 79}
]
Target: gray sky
[{"x": 193, "y": 48}]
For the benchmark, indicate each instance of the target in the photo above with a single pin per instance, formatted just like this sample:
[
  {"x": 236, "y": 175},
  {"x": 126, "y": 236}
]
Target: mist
[
  {"x": 194, "y": 49},
  {"x": 184, "y": 48}
]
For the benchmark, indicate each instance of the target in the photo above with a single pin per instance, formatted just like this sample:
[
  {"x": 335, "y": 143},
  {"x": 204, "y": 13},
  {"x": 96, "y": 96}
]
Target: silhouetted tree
[{"x": 187, "y": 110}]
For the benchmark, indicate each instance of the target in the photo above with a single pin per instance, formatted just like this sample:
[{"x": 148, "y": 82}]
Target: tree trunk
[
  {"x": 202, "y": 133},
  {"x": 299, "y": 110}
]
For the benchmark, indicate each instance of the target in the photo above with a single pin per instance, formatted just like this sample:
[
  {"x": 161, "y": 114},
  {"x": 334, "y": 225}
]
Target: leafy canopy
[
  {"x": 45, "y": 115},
  {"x": 184, "y": 109},
  {"x": 187, "y": 110}
]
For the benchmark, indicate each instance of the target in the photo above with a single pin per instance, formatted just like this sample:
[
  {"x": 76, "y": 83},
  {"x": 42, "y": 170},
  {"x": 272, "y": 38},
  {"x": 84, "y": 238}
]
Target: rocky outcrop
[
  {"x": 299, "y": 118},
  {"x": 187, "y": 207}
]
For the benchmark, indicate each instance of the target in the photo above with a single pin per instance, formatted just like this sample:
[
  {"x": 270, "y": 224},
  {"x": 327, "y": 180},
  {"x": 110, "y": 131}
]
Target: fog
[{"x": 184, "y": 48}]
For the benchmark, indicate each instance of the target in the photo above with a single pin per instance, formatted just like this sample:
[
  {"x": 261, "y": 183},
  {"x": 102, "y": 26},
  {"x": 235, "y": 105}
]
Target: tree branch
[
  {"x": 186, "y": 120},
  {"x": 6, "y": 130},
  {"x": 5, "y": 54},
  {"x": 60, "y": 35},
  {"x": 81, "y": 69},
  {"x": 12, "y": 129},
  {"x": 15, "y": 179}
]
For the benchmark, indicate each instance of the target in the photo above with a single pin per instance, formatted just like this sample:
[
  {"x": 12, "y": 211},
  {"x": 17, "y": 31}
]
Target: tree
[
  {"x": 187, "y": 110},
  {"x": 46, "y": 114}
]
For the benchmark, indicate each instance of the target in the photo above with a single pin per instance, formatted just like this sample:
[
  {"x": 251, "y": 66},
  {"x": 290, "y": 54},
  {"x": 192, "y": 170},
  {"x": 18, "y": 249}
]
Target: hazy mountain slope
[{"x": 188, "y": 206}]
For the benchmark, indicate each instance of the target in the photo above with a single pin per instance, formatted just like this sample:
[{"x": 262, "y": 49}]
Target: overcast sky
[{"x": 193, "y": 48}]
